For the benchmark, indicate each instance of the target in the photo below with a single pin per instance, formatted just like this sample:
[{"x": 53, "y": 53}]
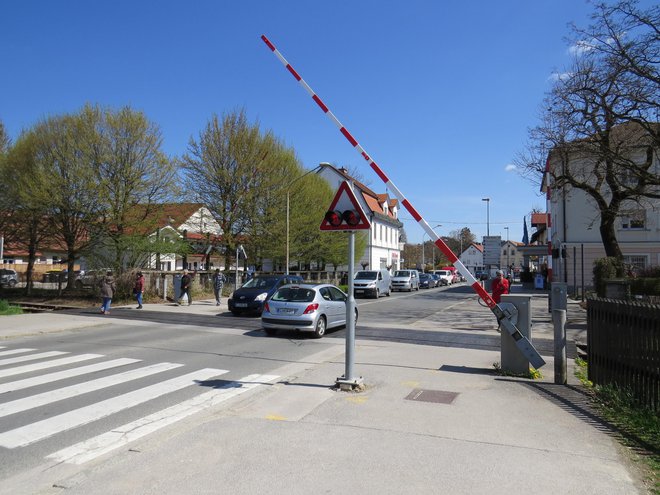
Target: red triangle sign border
[{"x": 346, "y": 193}]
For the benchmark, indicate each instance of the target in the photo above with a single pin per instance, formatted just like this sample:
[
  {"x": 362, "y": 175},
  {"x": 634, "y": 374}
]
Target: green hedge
[
  {"x": 645, "y": 286},
  {"x": 606, "y": 269}
]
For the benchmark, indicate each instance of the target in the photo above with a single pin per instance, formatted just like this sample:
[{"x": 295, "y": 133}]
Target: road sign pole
[{"x": 349, "y": 381}]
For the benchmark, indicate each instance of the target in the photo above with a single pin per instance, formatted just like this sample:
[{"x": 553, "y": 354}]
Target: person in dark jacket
[
  {"x": 108, "y": 289},
  {"x": 138, "y": 289},
  {"x": 186, "y": 281}
]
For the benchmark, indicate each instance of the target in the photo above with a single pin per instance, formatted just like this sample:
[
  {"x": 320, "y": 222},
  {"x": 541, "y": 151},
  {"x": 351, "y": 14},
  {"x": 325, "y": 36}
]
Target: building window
[
  {"x": 633, "y": 220},
  {"x": 635, "y": 262}
]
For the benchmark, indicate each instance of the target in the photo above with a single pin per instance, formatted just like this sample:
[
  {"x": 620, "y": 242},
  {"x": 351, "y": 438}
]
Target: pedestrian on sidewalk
[
  {"x": 500, "y": 286},
  {"x": 186, "y": 280},
  {"x": 138, "y": 288},
  {"x": 218, "y": 283},
  {"x": 108, "y": 289}
]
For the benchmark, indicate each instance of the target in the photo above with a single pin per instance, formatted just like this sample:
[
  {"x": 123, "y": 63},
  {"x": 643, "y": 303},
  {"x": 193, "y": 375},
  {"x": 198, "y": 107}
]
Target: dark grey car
[{"x": 8, "y": 278}]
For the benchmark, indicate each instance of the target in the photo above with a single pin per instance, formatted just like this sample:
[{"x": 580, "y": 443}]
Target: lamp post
[
  {"x": 507, "y": 248},
  {"x": 288, "y": 190},
  {"x": 487, "y": 200},
  {"x": 423, "y": 262}
]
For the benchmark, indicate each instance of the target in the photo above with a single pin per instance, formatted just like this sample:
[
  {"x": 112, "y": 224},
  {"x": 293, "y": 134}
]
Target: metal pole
[
  {"x": 575, "y": 272},
  {"x": 559, "y": 321},
  {"x": 287, "y": 231},
  {"x": 423, "y": 262},
  {"x": 507, "y": 249},
  {"x": 236, "y": 270},
  {"x": 350, "y": 310},
  {"x": 582, "y": 269}
]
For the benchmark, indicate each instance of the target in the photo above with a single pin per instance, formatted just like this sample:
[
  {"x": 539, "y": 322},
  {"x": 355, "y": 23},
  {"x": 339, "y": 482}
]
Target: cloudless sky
[{"x": 439, "y": 93}]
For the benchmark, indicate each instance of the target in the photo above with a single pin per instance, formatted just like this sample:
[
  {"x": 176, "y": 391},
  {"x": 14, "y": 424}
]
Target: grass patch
[
  {"x": 639, "y": 427},
  {"x": 533, "y": 374},
  {"x": 8, "y": 309}
]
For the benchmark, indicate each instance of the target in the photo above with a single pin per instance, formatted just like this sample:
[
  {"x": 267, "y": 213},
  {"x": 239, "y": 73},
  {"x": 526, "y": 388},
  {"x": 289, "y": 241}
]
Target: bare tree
[{"x": 598, "y": 125}]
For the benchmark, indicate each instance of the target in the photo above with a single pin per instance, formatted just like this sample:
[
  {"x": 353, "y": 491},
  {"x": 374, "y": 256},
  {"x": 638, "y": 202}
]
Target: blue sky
[{"x": 439, "y": 93}]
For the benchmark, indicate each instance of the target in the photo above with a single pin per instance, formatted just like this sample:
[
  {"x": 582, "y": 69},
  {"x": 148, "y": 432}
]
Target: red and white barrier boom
[{"x": 504, "y": 315}]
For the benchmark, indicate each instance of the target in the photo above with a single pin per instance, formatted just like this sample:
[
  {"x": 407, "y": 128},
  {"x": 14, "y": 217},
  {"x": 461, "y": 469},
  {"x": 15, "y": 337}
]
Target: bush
[
  {"x": 606, "y": 269},
  {"x": 645, "y": 286}
]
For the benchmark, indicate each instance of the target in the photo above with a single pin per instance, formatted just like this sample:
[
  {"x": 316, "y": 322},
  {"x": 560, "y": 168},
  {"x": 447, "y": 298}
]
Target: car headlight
[
  {"x": 371, "y": 285},
  {"x": 261, "y": 297}
]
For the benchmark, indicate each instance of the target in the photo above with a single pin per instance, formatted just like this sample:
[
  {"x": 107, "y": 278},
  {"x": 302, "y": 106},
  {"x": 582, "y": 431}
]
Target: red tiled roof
[{"x": 539, "y": 219}]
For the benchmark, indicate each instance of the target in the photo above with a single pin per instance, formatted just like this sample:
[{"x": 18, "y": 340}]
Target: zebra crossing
[{"x": 13, "y": 364}]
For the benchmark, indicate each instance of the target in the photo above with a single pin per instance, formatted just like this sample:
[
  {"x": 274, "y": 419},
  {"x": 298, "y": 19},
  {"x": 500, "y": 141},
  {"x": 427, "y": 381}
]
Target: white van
[
  {"x": 405, "y": 280},
  {"x": 372, "y": 283}
]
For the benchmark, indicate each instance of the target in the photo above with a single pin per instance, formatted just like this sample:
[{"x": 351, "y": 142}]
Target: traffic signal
[{"x": 336, "y": 218}]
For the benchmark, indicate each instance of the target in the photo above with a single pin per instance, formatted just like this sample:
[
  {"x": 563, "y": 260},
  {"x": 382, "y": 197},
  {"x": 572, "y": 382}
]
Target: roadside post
[
  {"x": 511, "y": 359},
  {"x": 346, "y": 214},
  {"x": 504, "y": 316},
  {"x": 559, "y": 305}
]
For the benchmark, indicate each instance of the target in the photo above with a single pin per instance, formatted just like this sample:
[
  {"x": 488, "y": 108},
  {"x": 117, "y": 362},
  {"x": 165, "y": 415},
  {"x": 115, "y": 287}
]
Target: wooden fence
[{"x": 623, "y": 339}]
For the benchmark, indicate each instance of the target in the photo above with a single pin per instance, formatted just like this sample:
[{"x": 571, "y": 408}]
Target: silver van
[
  {"x": 405, "y": 280},
  {"x": 372, "y": 283}
]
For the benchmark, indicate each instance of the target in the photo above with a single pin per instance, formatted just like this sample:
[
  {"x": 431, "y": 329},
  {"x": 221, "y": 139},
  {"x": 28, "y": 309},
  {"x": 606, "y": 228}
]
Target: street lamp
[
  {"x": 423, "y": 262},
  {"x": 288, "y": 190},
  {"x": 487, "y": 200},
  {"x": 507, "y": 248}
]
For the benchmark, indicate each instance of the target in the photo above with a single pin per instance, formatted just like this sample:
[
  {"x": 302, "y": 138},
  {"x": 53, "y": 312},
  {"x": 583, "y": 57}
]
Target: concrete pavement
[{"x": 431, "y": 420}]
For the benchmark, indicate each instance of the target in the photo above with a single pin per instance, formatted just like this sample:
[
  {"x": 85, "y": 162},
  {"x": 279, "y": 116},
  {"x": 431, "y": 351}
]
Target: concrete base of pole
[
  {"x": 512, "y": 360},
  {"x": 353, "y": 385}
]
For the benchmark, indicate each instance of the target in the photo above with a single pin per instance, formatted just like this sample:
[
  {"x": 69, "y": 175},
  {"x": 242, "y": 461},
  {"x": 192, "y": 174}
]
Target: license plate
[
  {"x": 241, "y": 305},
  {"x": 287, "y": 311},
  {"x": 359, "y": 291}
]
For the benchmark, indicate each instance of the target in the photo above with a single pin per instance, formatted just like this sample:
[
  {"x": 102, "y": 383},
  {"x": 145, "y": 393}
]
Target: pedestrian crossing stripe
[
  {"x": 94, "y": 447},
  {"x": 34, "y": 432},
  {"x": 62, "y": 375},
  {"x": 26, "y": 403},
  {"x": 31, "y": 357},
  {"x": 14, "y": 351},
  {"x": 18, "y": 370}
]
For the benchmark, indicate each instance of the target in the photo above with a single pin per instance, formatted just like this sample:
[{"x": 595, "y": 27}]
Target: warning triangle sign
[{"x": 345, "y": 212}]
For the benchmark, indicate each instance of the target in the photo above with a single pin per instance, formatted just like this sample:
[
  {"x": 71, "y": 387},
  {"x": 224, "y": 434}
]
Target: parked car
[
  {"x": 372, "y": 283},
  {"x": 426, "y": 281},
  {"x": 437, "y": 282},
  {"x": 405, "y": 280},
  {"x": 306, "y": 307},
  {"x": 250, "y": 298},
  {"x": 8, "y": 278},
  {"x": 446, "y": 277},
  {"x": 87, "y": 279}
]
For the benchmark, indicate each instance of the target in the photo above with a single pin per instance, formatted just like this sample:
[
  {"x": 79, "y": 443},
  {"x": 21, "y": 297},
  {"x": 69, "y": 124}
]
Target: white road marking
[
  {"x": 94, "y": 447},
  {"x": 15, "y": 351},
  {"x": 61, "y": 375},
  {"x": 47, "y": 364},
  {"x": 31, "y": 357},
  {"x": 51, "y": 396},
  {"x": 34, "y": 432}
]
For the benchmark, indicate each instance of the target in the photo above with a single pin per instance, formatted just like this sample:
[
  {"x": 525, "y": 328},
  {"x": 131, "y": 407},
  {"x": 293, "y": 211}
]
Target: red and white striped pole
[{"x": 499, "y": 313}]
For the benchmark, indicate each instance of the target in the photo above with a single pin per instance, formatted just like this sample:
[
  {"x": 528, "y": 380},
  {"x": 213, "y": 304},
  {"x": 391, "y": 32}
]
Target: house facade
[
  {"x": 574, "y": 220},
  {"x": 383, "y": 247},
  {"x": 473, "y": 258}
]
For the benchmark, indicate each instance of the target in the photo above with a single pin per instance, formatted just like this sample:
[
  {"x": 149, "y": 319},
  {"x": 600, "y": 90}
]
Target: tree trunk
[{"x": 608, "y": 235}]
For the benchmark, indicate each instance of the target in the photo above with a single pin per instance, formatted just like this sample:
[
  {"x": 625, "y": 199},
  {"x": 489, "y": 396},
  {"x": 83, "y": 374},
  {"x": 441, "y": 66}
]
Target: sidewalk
[{"x": 431, "y": 420}]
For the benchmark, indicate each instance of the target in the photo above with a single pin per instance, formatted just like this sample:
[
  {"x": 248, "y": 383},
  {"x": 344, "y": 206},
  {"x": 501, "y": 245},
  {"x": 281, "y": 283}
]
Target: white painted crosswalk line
[
  {"x": 34, "y": 432},
  {"x": 47, "y": 364},
  {"x": 15, "y": 351},
  {"x": 94, "y": 447},
  {"x": 61, "y": 375},
  {"x": 31, "y": 357},
  {"x": 19, "y": 405}
]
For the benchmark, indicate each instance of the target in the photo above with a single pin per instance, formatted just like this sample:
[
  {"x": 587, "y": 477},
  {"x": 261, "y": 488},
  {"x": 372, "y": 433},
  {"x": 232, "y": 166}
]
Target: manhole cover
[{"x": 436, "y": 396}]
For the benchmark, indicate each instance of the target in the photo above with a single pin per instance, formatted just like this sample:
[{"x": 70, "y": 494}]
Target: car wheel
[
  {"x": 12, "y": 283},
  {"x": 319, "y": 330},
  {"x": 270, "y": 331},
  {"x": 417, "y": 288},
  {"x": 356, "y": 316},
  {"x": 377, "y": 293}
]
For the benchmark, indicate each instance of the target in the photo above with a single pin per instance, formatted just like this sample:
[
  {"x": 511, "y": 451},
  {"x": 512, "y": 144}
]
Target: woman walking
[
  {"x": 108, "y": 289},
  {"x": 138, "y": 289}
]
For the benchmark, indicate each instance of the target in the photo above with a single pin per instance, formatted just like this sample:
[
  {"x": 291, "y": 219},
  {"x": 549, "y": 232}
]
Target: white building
[
  {"x": 574, "y": 222},
  {"x": 473, "y": 258},
  {"x": 383, "y": 248}
]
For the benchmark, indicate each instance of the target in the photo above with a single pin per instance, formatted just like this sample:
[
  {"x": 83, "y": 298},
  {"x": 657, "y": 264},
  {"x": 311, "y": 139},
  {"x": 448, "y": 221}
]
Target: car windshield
[
  {"x": 402, "y": 273},
  {"x": 366, "y": 275},
  {"x": 424, "y": 275},
  {"x": 260, "y": 283},
  {"x": 294, "y": 294}
]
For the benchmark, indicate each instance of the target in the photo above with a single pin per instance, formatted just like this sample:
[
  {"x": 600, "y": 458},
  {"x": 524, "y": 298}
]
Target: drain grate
[{"x": 435, "y": 396}]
